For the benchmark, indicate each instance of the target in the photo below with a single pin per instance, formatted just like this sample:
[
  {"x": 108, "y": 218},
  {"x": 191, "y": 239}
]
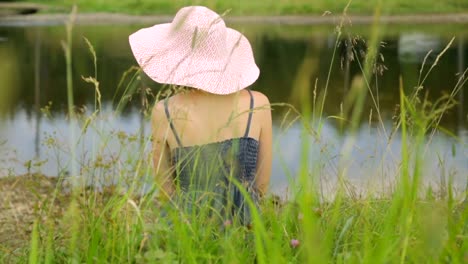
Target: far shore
[{"x": 124, "y": 19}]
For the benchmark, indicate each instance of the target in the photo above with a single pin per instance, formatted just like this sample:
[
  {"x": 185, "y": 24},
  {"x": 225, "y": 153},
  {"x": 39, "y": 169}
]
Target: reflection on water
[{"x": 294, "y": 69}]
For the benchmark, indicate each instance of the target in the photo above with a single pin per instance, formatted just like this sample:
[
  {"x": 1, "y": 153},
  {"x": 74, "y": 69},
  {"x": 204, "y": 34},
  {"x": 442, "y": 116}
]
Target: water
[{"x": 293, "y": 61}]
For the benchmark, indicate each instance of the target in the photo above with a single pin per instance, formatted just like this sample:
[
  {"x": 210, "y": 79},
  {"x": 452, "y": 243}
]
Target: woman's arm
[
  {"x": 265, "y": 140},
  {"x": 161, "y": 152}
]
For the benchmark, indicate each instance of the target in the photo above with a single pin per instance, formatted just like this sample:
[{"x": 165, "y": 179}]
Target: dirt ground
[
  {"x": 35, "y": 197},
  {"x": 23, "y": 200}
]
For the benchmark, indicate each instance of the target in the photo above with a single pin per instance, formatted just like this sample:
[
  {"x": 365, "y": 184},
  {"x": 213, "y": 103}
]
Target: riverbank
[
  {"x": 266, "y": 7},
  {"x": 24, "y": 199},
  {"x": 31, "y": 198},
  {"x": 110, "y": 18}
]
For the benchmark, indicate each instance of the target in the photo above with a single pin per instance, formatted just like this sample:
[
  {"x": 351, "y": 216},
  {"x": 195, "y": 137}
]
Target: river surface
[{"x": 295, "y": 62}]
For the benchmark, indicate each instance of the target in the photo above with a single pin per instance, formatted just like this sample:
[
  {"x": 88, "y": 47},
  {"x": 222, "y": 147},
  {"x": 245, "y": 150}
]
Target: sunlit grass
[{"x": 264, "y": 7}]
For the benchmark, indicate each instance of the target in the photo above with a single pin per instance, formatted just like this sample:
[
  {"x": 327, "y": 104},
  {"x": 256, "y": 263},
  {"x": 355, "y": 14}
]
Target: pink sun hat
[{"x": 196, "y": 50}]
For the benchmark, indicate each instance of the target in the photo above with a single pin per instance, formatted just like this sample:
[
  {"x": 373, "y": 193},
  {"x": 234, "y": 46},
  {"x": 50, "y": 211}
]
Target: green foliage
[
  {"x": 264, "y": 7},
  {"x": 34, "y": 251}
]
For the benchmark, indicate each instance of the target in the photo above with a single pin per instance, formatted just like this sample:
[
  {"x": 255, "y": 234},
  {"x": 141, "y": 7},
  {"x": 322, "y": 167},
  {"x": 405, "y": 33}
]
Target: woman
[{"x": 212, "y": 143}]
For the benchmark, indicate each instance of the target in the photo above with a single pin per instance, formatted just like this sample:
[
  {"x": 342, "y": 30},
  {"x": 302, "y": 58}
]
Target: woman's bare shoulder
[
  {"x": 262, "y": 108},
  {"x": 159, "y": 109},
  {"x": 260, "y": 98},
  {"x": 157, "y": 113},
  {"x": 261, "y": 101},
  {"x": 160, "y": 106}
]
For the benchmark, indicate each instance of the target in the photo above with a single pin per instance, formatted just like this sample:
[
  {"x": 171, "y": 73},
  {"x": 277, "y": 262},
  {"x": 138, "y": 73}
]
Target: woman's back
[
  {"x": 214, "y": 148},
  {"x": 201, "y": 118},
  {"x": 208, "y": 172}
]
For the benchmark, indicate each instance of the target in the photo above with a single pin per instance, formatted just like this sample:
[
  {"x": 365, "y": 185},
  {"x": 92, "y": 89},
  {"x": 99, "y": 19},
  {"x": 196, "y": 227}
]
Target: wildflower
[
  {"x": 318, "y": 211},
  {"x": 227, "y": 223},
  {"x": 294, "y": 243},
  {"x": 300, "y": 216}
]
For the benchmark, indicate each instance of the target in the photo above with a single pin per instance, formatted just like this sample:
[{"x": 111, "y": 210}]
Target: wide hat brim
[{"x": 168, "y": 62}]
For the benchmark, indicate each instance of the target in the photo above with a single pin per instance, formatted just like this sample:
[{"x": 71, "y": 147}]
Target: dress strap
[
  {"x": 166, "y": 109},
  {"x": 250, "y": 113}
]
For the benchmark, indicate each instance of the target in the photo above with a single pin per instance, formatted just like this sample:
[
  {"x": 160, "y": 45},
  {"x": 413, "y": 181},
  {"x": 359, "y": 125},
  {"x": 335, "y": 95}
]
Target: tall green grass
[{"x": 407, "y": 225}]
